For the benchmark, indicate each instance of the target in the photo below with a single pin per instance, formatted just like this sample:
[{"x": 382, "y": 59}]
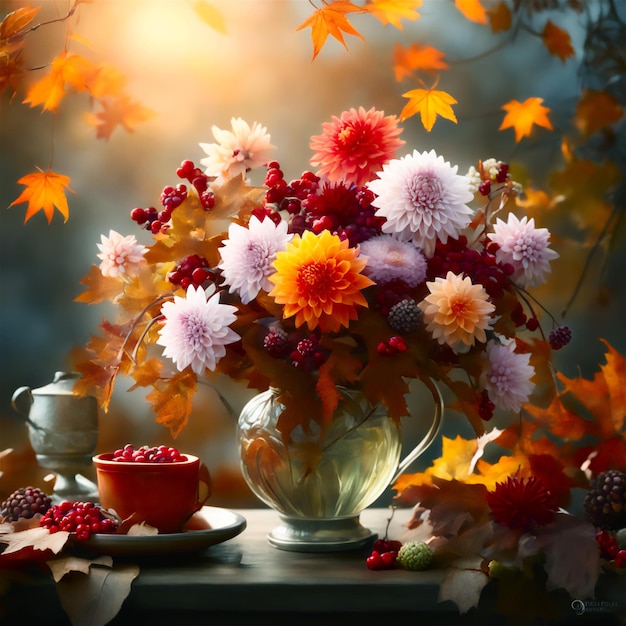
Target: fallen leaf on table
[
  {"x": 463, "y": 583},
  {"x": 34, "y": 538},
  {"x": 64, "y": 565}
]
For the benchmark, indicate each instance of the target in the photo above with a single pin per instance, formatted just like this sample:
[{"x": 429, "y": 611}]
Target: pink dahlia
[
  {"x": 238, "y": 150},
  {"x": 390, "y": 259},
  {"x": 121, "y": 256},
  {"x": 525, "y": 248},
  {"x": 196, "y": 329},
  {"x": 422, "y": 198},
  {"x": 457, "y": 312},
  {"x": 353, "y": 147},
  {"x": 507, "y": 377}
]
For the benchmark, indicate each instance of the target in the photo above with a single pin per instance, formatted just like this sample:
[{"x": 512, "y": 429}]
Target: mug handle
[
  {"x": 430, "y": 436},
  {"x": 204, "y": 487}
]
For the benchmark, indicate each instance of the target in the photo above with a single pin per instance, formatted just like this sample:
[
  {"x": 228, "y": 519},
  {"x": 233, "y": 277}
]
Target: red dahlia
[{"x": 521, "y": 503}]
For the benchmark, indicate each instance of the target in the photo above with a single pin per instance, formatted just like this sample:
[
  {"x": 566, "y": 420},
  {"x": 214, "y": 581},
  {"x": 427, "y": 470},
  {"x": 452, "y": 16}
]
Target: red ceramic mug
[{"x": 163, "y": 495}]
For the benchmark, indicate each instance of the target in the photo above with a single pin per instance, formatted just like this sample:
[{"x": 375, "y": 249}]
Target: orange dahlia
[{"x": 318, "y": 279}]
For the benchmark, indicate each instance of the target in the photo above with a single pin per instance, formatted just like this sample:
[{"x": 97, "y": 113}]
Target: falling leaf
[
  {"x": 597, "y": 110},
  {"x": 65, "y": 69},
  {"x": 557, "y": 41},
  {"x": 392, "y": 11},
  {"x": 473, "y": 10},
  {"x": 331, "y": 20},
  {"x": 417, "y": 58},
  {"x": 429, "y": 103},
  {"x": 210, "y": 15},
  {"x": 44, "y": 191},
  {"x": 121, "y": 111},
  {"x": 463, "y": 583},
  {"x": 106, "y": 82},
  {"x": 499, "y": 17},
  {"x": 523, "y": 115}
]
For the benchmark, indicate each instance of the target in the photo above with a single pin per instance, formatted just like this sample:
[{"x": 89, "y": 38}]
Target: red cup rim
[{"x": 105, "y": 459}]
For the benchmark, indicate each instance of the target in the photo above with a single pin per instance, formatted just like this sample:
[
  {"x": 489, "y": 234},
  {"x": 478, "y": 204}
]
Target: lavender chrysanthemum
[
  {"x": 390, "y": 259},
  {"x": 196, "y": 329},
  {"x": 422, "y": 198},
  {"x": 120, "y": 256},
  {"x": 507, "y": 377},
  {"x": 248, "y": 254},
  {"x": 525, "y": 248}
]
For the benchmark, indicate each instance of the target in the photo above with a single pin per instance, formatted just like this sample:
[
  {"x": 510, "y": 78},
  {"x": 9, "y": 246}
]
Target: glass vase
[{"x": 319, "y": 484}]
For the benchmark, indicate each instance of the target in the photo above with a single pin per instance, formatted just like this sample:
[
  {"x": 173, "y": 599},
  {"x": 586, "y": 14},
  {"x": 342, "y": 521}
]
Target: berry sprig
[
  {"x": 392, "y": 346},
  {"x": 610, "y": 549},
  {"x": 148, "y": 454},
  {"x": 383, "y": 555},
  {"x": 192, "y": 270},
  {"x": 83, "y": 518}
]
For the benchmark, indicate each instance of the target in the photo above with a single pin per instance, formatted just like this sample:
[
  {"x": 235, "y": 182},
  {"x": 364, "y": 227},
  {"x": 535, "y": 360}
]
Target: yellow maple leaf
[
  {"x": 473, "y": 10},
  {"x": 429, "y": 103},
  {"x": 392, "y": 11},
  {"x": 210, "y": 15},
  {"x": 121, "y": 111},
  {"x": 44, "y": 191},
  {"x": 72, "y": 69},
  {"x": 522, "y": 116},
  {"x": 557, "y": 41},
  {"x": 417, "y": 58},
  {"x": 331, "y": 20}
]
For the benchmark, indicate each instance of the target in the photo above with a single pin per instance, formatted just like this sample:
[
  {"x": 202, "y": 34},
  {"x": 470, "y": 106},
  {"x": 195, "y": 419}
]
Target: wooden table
[{"x": 247, "y": 581}]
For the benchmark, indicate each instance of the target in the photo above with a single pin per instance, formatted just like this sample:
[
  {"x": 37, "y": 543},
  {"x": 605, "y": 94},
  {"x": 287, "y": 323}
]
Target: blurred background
[{"x": 192, "y": 77}]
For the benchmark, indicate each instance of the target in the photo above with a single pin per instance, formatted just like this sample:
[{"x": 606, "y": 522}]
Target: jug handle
[
  {"x": 22, "y": 400},
  {"x": 430, "y": 436}
]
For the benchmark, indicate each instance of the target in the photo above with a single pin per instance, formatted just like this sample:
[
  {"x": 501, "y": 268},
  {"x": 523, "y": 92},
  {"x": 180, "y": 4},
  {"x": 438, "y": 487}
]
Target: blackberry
[
  {"x": 559, "y": 337},
  {"x": 405, "y": 316},
  {"x": 25, "y": 502},
  {"x": 605, "y": 502}
]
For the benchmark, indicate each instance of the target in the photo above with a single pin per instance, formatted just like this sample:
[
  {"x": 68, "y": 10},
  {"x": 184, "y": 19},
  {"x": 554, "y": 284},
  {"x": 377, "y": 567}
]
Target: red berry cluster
[
  {"x": 344, "y": 210},
  {"x": 481, "y": 266},
  {"x": 392, "y": 346},
  {"x": 303, "y": 351},
  {"x": 83, "y": 518},
  {"x": 559, "y": 337},
  {"x": 148, "y": 454},
  {"x": 609, "y": 548},
  {"x": 383, "y": 555},
  {"x": 192, "y": 270},
  {"x": 199, "y": 180}
]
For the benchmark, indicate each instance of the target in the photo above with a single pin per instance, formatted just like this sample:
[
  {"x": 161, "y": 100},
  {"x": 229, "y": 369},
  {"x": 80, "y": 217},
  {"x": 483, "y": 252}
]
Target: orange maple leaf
[
  {"x": 119, "y": 112},
  {"x": 429, "y": 103},
  {"x": 597, "y": 110},
  {"x": 392, "y": 11},
  {"x": 472, "y": 10},
  {"x": 499, "y": 17},
  {"x": 417, "y": 58},
  {"x": 331, "y": 20},
  {"x": 44, "y": 191},
  {"x": 106, "y": 81},
  {"x": 98, "y": 287},
  {"x": 173, "y": 399},
  {"x": 557, "y": 41},
  {"x": 523, "y": 115},
  {"x": 72, "y": 69}
]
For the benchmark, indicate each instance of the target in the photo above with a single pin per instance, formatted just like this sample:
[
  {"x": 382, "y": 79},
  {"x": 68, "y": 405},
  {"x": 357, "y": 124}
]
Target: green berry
[
  {"x": 620, "y": 535},
  {"x": 414, "y": 556},
  {"x": 497, "y": 569}
]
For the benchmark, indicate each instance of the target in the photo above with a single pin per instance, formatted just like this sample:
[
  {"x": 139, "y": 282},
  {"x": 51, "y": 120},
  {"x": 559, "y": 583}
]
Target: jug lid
[{"x": 62, "y": 384}]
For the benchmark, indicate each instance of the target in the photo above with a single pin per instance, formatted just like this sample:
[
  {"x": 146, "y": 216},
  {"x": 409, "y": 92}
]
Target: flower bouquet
[{"x": 367, "y": 272}]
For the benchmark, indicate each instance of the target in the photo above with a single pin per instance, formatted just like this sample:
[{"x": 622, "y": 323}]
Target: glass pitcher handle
[{"x": 429, "y": 437}]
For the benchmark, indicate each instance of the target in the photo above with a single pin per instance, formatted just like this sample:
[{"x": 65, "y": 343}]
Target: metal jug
[{"x": 63, "y": 430}]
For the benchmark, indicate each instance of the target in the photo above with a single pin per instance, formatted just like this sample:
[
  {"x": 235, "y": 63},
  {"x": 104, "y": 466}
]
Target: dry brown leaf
[
  {"x": 34, "y": 538},
  {"x": 66, "y": 564}
]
